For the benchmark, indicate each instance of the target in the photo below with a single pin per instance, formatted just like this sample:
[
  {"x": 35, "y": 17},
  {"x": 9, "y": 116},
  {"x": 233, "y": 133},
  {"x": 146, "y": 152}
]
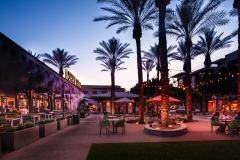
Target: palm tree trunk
[
  {"x": 188, "y": 44},
  {"x": 204, "y": 105},
  {"x": 158, "y": 77},
  {"x": 61, "y": 71},
  {"x": 164, "y": 63},
  {"x": 137, "y": 33},
  {"x": 140, "y": 80},
  {"x": 147, "y": 85},
  {"x": 112, "y": 92},
  {"x": 238, "y": 60}
]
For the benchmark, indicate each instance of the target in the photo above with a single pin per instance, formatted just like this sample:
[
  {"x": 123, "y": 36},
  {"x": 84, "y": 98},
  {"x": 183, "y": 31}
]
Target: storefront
[{"x": 26, "y": 82}]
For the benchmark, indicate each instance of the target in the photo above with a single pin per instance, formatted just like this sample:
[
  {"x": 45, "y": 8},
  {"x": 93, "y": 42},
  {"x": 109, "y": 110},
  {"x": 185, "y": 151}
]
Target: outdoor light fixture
[
  {"x": 236, "y": 4},
  {"x": 158, "y": 2},
  {"x": 20, "y": 96}
]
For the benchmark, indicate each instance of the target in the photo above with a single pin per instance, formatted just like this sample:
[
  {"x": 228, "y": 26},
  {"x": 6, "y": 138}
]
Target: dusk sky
[{"x": 44, "y": 25}]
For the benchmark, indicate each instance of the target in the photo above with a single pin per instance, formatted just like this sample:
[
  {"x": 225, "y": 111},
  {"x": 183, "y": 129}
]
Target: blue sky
[{"x": 44, "y": 25}]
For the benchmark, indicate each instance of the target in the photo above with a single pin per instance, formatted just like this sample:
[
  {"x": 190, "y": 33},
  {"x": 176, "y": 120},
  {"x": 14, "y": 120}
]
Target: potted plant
[
  {"x": 83, "y": 109},
  {"x": 15, "y": 138},
  {"x": 62, "y": 122},
  {"x": 47, "y": 127}
]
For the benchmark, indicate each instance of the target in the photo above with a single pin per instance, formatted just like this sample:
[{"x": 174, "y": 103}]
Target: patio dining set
[{"x": 109, "y": 121}]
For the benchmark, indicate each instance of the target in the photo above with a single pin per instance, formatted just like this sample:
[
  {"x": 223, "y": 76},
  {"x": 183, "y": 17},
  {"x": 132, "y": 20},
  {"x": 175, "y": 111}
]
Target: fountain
[{"x": 170, "y": 131}]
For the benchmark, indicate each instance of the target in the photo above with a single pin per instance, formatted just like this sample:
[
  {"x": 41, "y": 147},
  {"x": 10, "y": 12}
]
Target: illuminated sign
[{"x": 71, "y": 78}]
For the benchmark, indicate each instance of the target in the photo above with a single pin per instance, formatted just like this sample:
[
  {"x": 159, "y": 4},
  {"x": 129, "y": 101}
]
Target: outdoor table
[
  {"x": 13, "y": 119},
  {"x": 226, "y": 122},
  {"x": 113, "y": 122}
]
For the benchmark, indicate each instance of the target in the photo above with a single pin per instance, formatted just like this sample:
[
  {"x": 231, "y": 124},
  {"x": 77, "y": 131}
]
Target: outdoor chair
[
  {"x": 214, "y": 123},
  {"x": 233, "y": 127},
  {"x": 27, "y": 118},
  {"x": 120, "y": 123},
  {"x": 4, "y": 123},
  {"x": 104, "y": 124}
]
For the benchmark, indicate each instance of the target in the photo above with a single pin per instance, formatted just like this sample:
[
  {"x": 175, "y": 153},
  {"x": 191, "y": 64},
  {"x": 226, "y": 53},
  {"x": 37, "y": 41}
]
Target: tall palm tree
[
  {"x": 186, "y": 22},
  {"x": 147, "y": 66},
  {"x": 181, "y": 54},
  {"x": 136, "y": 14},
  {"x": 236, "y": 5},
  {"x": 208, "y": 44},
  {"x": 111, "y": 54},
  {"x": 153, "y": 54},
  {"x": 34, "y": 54},
  {"x": 60, "y": 59},
  {"x": 162, "y": 41}
]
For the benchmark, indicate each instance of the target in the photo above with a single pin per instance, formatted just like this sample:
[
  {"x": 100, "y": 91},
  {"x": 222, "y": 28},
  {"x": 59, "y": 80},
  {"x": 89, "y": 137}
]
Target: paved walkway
[{"x": 75, "y": 141}]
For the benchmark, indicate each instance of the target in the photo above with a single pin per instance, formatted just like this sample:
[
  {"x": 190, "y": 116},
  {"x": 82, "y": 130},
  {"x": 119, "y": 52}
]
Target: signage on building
[{"x": 71, "y": 78}]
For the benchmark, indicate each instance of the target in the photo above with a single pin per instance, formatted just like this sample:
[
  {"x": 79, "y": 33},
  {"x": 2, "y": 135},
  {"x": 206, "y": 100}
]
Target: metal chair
[
  {"x": 120, "y": 123},
  {"x": 103, "y": 123},
  {"x": 214, "y": 123},
  {"x": 234, "y": 127}
]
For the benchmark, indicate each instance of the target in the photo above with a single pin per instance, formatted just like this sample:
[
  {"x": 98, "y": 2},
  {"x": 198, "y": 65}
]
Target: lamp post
[
  {"x": 161, "y": 5},
  {"x": 236, "y": 5}
]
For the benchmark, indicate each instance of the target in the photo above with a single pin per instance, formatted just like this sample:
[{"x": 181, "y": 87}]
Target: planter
[
  {"x": 82, "y": 115},
  {"x": 11, "y": 141},
  {"x": 76, "y": 119},
  {"x": 62, "y": 124},
  {"x": 70, "y": 121},
  {"x": 47, "y": 129}
]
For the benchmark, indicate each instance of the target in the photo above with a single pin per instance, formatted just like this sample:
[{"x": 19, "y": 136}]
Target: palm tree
[
  {"x": 60, "y": 58},
  {"x": 162, "y": 42},
  {"x": 147, "y": 66},
  {"x": 136, "y": 14},
  {"x": 186, "y": 22},
  {"x": 153, "y": 54},
  {"x": 236, "y": 5},
  {"x": 111, "y": 54},
  {"x": 34, "y": 54},
  {"x": 208, "y": 44},
  {"x": 181, "y": 54}
]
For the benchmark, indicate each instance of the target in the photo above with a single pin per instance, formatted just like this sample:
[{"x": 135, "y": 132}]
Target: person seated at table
[
  {"x": 223, "y": 123},
  {"x": 237, "y": 118},
  {"x": 215, "y": 116}
]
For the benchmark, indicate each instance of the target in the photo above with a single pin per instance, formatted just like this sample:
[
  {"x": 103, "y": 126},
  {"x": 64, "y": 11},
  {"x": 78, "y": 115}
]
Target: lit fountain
[{"x": 170, "y": 131}]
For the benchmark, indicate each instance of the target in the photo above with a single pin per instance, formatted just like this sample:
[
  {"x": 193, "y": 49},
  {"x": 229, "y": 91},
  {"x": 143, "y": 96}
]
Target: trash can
[{"x": 76, "y": 119}]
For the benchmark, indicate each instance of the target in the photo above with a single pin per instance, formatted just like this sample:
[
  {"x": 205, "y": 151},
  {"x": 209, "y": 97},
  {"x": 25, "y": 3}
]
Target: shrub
[
  {"x": 47, "y": 121},
  {"x": 51, "y": 120},
  {"x": 41, "y": 122},
  {"x": 132, "y": 121},
  {"x": 11, "y": 129},
  {"x": 28, "y": 124},
  {"x": 172, "y": 122},
  {"x": 184, "y": 120},
  {"x": 70, "y": 116},
  {"x": 60, "y": 118},
  {"x": 141, "y": 122},
  {"x": 20, "y": 127}
]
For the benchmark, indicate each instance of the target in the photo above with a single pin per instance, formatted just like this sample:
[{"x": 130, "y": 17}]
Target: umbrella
[
  {"x": 158, "y": 99},
  {"x": 124, "y": 100}
]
